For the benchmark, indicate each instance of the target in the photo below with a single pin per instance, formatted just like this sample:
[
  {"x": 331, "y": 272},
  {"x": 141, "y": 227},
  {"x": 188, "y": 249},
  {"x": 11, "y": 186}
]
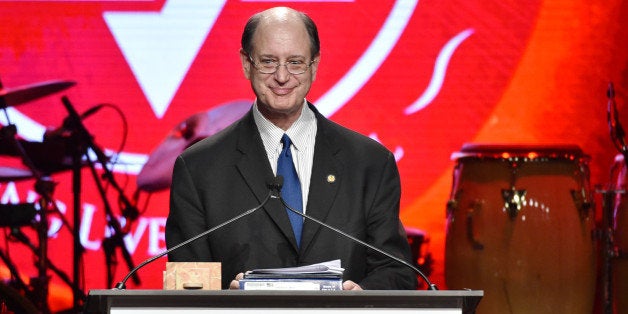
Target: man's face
[{"x": 280, "y": 94}]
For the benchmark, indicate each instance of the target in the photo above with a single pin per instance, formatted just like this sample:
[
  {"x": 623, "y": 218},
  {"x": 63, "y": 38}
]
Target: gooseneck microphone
[
  {"x": 272, "y": 193},
  {"x": 278, "y": 183}
]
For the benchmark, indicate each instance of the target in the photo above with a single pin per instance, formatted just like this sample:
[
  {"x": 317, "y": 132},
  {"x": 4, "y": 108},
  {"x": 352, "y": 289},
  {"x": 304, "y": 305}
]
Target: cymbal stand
[
  {"x": 130, "y": 211},
  {"x": 17, "y": 280},
  {"x": 116, "y": 240},
  {"x": 9, "y": 132},
  {"x": 44, "y": 187},
  {"x": 20, "y": 236},
  {"x": 608, "y": 248},
  {"x": 610, "y": 202}
]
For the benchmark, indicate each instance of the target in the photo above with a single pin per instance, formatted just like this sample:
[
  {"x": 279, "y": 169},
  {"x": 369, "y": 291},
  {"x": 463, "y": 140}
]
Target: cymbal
[
  {"x": 23, "y": 94},
  {"x": 47, "y": 157},
  {"x": 14, "y": 173},
  {"x": 156, "y": 174}
]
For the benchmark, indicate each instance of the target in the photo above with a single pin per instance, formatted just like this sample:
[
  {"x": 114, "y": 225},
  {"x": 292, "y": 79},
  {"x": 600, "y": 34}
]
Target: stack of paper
[{"x": 322, "y": 276}]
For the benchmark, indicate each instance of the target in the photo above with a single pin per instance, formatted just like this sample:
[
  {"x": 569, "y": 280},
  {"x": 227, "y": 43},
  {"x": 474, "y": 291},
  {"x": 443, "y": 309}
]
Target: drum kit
[
  {"x": 38, "y": 165},
  {"x": 521, "y": 225},
  {"x": 64, "y": 149}
]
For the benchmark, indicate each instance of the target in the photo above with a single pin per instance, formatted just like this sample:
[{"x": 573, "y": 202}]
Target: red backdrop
[{"x": 422, "y": 77}]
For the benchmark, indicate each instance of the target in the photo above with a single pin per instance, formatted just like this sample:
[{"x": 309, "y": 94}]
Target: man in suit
[{"x": 346, "y": 179}]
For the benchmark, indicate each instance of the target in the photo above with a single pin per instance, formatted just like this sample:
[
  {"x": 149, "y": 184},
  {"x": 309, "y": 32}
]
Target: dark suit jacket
[{"x": 228, "y": 173}]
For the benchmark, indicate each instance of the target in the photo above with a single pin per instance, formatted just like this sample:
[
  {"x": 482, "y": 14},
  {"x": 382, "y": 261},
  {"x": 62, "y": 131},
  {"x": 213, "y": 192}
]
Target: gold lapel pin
[{"x": 331, "y": 178}]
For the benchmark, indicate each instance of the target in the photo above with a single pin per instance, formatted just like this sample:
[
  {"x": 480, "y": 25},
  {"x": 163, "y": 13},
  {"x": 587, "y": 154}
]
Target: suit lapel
[
  {"x": 327, "y": 174},
  {"x": 257, "y": 173}
]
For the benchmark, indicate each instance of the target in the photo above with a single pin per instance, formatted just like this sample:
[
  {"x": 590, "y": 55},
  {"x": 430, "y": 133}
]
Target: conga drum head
[{"x": 519, "y": 227}]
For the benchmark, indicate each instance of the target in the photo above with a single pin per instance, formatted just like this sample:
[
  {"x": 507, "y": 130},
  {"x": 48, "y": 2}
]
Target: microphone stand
[
  {"x": 117, "y": 239},
  {"x": 83, "y": 136},
  {"x": 430, "y": 285},
  {"x": 122, "y": 284}
]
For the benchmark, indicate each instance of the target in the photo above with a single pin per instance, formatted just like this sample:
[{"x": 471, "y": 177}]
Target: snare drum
[
  {"x": 619, "y": 264},
  {"x": 519, "y": 227}
]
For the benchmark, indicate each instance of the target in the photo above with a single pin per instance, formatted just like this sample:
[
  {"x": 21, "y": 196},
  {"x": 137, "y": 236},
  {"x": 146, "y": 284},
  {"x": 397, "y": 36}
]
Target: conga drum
[
  {"x": 519, "y": 227},
  {"x": 619, "y": 262}
]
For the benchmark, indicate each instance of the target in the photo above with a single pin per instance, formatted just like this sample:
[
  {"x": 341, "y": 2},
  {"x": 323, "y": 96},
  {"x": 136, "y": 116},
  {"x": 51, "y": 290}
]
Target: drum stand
[
  {"x": 38, "y": 290},
  {"x": 608, "y": 248},
  {"x": 611, "y": 196},
  {"x": 40, "y": 284}
]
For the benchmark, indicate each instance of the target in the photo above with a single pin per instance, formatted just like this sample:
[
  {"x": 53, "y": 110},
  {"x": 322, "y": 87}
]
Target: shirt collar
[{"x": 271, "y": 134}]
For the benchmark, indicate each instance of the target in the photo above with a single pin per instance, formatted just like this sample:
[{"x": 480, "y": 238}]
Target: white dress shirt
[{"x": 302, "y": 134}]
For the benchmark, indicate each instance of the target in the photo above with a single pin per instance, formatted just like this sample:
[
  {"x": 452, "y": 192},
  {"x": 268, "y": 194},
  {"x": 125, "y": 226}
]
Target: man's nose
[{"x": 282, "y": 74}]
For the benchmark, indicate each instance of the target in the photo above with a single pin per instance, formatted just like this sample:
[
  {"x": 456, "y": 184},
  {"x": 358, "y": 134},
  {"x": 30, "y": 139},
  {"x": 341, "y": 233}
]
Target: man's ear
[
  {"x": 246, "y": 64},
  {"x": 314, "y": 66}
]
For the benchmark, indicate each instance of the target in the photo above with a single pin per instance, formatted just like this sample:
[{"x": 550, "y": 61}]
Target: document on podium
[
  {"x": 321, "y": 276},
  {"x": 330, "y": 269}
]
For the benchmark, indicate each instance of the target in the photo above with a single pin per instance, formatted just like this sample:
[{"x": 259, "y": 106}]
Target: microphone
[
  {"x": 272, "y": 193},
  {"x": 68, "y": 125},
  {"x": 91, "y": 111},
  {"x": 278, "y": 186}
]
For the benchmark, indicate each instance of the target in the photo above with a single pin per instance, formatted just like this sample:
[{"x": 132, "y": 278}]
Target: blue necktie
[{"x": 291, "y": 191}]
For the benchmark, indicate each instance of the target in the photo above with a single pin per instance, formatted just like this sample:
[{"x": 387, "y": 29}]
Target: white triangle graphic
[{"x": 160, "y": 47}]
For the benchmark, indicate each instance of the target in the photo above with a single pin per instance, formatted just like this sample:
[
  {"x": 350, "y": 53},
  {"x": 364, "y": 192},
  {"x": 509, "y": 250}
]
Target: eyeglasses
[{"x": 270, "y": 66}]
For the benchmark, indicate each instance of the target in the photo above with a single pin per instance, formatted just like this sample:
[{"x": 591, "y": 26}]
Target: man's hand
[
  {"x": 350, "y": 285},
  {"x": 235, "y": 283}
]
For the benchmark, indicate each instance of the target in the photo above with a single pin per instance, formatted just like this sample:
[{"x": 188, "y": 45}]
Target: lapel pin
[{"x": 331, "y": 178}]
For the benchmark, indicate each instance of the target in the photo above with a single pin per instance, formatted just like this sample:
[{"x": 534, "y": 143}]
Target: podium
[{"x": 239, "y": 301}]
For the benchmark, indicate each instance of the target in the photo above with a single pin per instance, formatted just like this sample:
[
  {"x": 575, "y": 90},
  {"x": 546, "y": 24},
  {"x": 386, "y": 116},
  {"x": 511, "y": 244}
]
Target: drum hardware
[
  {"x": 62, "y": 149},
  {"x": 513, "y": 201},
  {"x": 513, "y": 198},
  {"x": 475, "y": 207},
  {"x": 452, "y": 205},
  {"x": 8, "y": 173},
  {"x": 79, "y": 136},
  {"x": 613, "y": 216},
  {"x": 17, "y": 215},
  {"x": 608, "y": 248},
  {"x": 15, "y": 301},
  {"x": 17, "y": 234},
  {"x": 38, "y": 290},
  {"x": 40, "y": 284},
  {"x": 12, "y": 301},
  {"x": 617, "y": 132},
  {"x": 116, "y": 239},
  {"x": 156, "y": 174},
  {"x": 23, "y": 94},
  {"x": 580, "y": 199},
  {"x": 421, "y": 257},
  {"x": 11, "y": 145}
]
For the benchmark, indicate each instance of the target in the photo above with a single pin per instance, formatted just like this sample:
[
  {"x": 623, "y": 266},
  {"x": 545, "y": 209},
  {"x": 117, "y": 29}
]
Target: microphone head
[{"x": 276, "y": 183}]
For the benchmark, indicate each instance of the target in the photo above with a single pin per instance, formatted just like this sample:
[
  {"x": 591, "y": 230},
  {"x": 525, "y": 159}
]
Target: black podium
[{"x": 232, "y": 301}]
